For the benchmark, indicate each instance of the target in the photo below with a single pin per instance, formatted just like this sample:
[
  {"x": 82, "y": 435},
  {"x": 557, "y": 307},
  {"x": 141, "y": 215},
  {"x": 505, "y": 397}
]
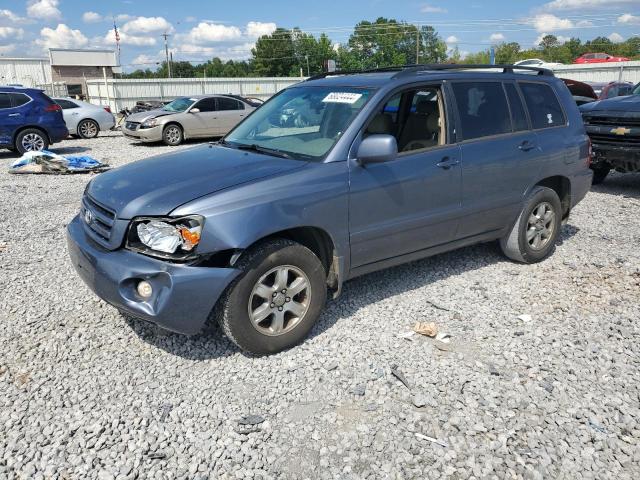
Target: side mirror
[
  {"x": 194, "y": 110},
  {"x": 377, "y": 148}
]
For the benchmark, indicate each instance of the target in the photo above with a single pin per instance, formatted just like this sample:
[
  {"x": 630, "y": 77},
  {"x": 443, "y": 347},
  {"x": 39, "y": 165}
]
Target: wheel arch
[
  {"x": 29, "y": 127},
  {"x": 562, "y": 186}
]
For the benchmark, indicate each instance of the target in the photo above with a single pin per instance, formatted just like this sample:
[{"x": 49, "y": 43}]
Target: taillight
[
  {"x": 54, "y": 107},
  {"x": 108, "y": 108}
]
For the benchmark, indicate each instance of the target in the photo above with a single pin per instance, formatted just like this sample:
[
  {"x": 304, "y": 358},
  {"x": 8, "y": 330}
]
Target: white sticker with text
[{"x": 342, "y": 97}]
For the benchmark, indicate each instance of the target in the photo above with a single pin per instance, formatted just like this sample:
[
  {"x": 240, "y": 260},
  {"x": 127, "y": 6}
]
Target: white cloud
[
  {"x": 258, "y": 29},
  {"x": 629, "y": 19},
  {"x": 44, "y": 9},
  {"x": 91, "y": 17},
  {"x": 128, "y": 39},
  {"x": 616, "y": 37},
  {"x": 61, "y": 37},
  {"x": 452, "y": 39},
  {"x": 7, "y": 17},
  {"x": 147, "y": 25},
  {"x": 587, "y": 4},
  {"x": 10, "y": 33},
  {"x": 7, "y": 48},
  {"x": 426, "y": 8},
  {"x": 199, "y": 52},
  {"x": 547, "y": 22},
  {"x": 212, "y": 32},
  {"x": 124, "y": 17},
  {"x": 147, "y": 61},
  {"x": 497, "y": 37}
]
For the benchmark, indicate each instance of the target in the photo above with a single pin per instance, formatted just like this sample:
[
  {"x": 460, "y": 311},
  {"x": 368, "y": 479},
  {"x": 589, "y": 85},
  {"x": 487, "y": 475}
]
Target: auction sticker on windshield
[{"x": 342, "y": 97}]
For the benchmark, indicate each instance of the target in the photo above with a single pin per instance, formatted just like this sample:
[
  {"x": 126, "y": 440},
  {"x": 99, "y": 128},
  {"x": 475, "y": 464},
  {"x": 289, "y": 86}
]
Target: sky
[{"x": 200, "y": 30}]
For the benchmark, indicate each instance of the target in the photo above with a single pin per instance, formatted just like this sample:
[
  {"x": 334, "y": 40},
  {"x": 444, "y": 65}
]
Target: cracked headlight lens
[{"x": 170, "y": 236}]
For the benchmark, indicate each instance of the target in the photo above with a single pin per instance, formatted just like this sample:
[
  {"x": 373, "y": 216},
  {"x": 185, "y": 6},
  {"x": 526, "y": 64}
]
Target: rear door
[
  {"x": 13, "y": 114},
  {"x": 230, "y": 112},
  {"x": 499, "y": 154}
]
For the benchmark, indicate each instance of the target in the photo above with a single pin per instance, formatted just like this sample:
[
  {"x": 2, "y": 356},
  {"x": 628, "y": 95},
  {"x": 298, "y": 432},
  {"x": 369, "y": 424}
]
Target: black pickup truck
[{"x": 614, "y": 128}]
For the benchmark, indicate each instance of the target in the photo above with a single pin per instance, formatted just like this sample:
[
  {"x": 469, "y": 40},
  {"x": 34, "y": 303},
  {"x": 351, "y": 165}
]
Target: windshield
[
  {"x": 301, "y": 122},
  {"x": 636, "y": 90},
  {"x": 179, "y": 105}
]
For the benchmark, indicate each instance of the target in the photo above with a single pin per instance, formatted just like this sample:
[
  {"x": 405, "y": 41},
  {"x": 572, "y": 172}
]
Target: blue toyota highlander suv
[
  {"x": 29, "y": 120},
  {"x": 378, "y": 168}
]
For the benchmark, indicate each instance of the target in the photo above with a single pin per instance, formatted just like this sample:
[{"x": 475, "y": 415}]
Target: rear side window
[
  {"x": 66, "y": 104},
  {"x": 542, "y": 103},
  {"x": 482, "y": 108},
  {"x": 19, "y": 99},
  {"x": 518, "y": 115},
  {"x": 5, "y": 101},
  {"x": 225, "y": 103}
]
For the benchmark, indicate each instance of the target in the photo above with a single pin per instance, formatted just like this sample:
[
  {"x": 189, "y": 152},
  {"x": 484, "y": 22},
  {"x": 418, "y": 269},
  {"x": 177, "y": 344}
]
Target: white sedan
[
  {"x": 85, "y": 119},
  {"x": 536, "y": 62}
]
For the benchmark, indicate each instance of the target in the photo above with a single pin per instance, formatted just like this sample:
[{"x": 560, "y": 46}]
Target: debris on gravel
[{"x": 82, "y": 388}]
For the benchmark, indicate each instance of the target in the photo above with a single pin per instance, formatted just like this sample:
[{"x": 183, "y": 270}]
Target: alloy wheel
[
  {"x": 541, "y": 226},
  {"x": 32, "y": 142}
]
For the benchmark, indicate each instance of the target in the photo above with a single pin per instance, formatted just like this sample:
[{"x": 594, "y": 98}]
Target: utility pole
[
  {"x": 166, "y": 51},
  {"x": 307, "y": 57},
  {"x": 417, "y": 45}
]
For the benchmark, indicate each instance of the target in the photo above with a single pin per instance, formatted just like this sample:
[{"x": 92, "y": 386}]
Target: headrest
[
  {"x": 426, "y": 107},
  {"x": 381, "y": 123}
]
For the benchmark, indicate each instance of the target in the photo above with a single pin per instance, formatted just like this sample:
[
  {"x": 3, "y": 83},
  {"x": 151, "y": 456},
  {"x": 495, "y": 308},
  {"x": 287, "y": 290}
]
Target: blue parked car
[
  {"x": 394, "y": 165},
  {"x": 29, "y": 120}
]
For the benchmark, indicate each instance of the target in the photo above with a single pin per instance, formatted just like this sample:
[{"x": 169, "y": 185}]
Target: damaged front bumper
[{"x": 183, "y": 295}]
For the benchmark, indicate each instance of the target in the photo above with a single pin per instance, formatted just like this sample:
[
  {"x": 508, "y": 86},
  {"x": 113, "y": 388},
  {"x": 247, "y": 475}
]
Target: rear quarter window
[
  {"x": 19, "y": 99},
  {"x": 482, "y": 109},
  {"x": 544, "y": 109},
  {"x": 5, "y": 101}
]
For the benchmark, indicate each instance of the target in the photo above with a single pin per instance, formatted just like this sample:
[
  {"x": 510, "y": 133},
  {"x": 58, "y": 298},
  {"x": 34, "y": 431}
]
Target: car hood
[
  {"x": 144, "y": 116},
  {"x": 630, "y": 103},
  {"x": 158, "y": 185}
]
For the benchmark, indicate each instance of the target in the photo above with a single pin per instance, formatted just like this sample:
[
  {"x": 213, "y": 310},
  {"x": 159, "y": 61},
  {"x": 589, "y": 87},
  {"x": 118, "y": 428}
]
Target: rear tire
[
  {"x": 88, "y": 129},
  {"x": 31, "y": 139},
  {"x": 277, "y": 299},
  {"x": 172, "y": 135},
  {"x": 533, "y": 236},
  {"x": 600, "y": 173}
]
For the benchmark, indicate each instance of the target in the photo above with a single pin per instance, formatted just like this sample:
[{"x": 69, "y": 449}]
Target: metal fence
[
  {"x": 601, "y": 72},
  {"x": 121, "y": 93}
]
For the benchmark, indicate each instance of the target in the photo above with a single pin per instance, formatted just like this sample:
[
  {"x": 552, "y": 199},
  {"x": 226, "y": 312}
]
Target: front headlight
[
  {"x": 172, "y": 238},
  {"x": 152, "y": 122}
]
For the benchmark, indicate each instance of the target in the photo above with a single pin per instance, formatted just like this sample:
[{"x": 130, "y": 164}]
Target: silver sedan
[{"x": 85, "y": 119}]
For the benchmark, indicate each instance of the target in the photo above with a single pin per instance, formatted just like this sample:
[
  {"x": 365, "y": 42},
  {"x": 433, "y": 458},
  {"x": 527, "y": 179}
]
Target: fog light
[{"x": 144, "y": 289}]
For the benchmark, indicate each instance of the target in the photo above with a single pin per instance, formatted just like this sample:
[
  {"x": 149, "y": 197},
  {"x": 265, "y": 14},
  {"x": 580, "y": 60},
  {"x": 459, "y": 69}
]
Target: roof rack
[{"x": 404, "y": 70}]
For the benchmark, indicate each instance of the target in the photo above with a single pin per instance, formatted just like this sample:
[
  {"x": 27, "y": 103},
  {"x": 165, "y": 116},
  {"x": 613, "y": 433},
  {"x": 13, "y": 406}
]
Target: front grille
[
  {"x": 97, "y": 218},
  {"x": 132, "y": 125},
  {"x": 613, "y": 121},
  {"x": 615, "y": 140}
]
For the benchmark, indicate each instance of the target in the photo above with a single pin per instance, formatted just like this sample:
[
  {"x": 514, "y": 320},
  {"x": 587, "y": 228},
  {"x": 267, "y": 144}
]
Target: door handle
[
  {"x": 526, "y": 146},
  {"x": 14, "y": 115},
  {"x": 447, "y": 162}
]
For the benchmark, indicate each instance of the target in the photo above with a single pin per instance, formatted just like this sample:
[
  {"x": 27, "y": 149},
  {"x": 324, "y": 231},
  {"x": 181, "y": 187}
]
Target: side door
[
  {"x": 500, "y": 154},
  {"x": 203, "y": 121},
  {"x": 230, "y": 112},
  {"x": 70, "y": 113},
  {"x": 413, "y": 202}
]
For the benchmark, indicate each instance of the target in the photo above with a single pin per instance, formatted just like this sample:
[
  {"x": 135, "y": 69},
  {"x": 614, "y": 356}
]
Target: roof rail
[{"x": 404, "y": 70}]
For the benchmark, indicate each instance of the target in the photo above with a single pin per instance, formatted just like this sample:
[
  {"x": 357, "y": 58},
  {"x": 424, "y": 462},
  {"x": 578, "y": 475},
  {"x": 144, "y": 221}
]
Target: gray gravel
[{"x": 85, "y": 393}]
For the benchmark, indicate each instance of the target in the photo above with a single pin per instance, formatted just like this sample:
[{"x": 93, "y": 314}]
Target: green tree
[
  {"x": 432, "y": 47},
  {"x": 274, "y": 55},
  {"x": 507, "y": 53}
]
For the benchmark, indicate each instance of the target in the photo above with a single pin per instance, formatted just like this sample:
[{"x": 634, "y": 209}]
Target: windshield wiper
[{"x": 257, "y": 148}]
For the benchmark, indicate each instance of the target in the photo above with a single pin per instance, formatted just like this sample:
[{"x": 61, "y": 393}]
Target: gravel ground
[{"x": 85, "y": 393}]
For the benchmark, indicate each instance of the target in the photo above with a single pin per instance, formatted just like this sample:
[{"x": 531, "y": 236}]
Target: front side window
[
  {"x": 482, "y": 108},
  {"x": 542, "y": 103},
  {"x": 5, "y": 101},
  {"x": 301, "y": 122},
  {"x": 414, "y": 117},
  {"x": 225, "y": 103},
  {"x": 206, "y": 105}
]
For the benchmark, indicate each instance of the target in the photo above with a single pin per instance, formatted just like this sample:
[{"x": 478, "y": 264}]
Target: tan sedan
[{"x": 199, "y": 116}]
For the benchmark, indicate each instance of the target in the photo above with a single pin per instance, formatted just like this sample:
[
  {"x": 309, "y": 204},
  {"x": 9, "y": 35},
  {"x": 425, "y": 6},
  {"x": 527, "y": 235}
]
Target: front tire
[
  {"x": 172, "y": 135},
  {"x": 277, "y": 299},
  {"x": 31, "y": 139},
  {"x": 533, "y": 236},
  {"x": 88, "y": 129}
]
